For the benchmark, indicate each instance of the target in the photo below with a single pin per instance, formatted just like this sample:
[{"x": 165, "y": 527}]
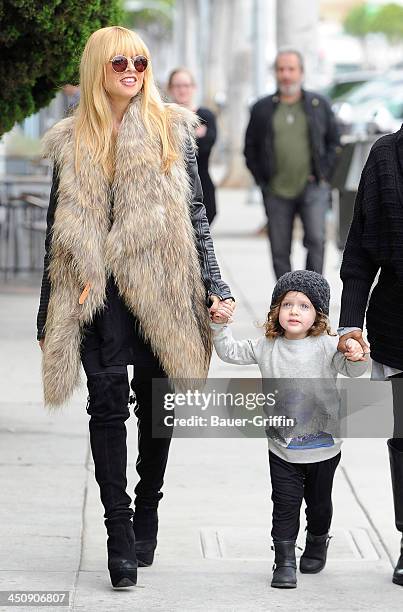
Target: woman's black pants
[
  {"x": 108, "y": 388},
  {"x": 293, "y": 482}
]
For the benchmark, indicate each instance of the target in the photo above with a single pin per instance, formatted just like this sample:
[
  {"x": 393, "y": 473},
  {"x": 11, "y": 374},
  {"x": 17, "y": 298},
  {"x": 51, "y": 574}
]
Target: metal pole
[
  {"x": 258, "y": 44},
  {"x": 178, "y": 29},
  {"x": 204, "y": 28},
  {"x": 298, "y": 28}
]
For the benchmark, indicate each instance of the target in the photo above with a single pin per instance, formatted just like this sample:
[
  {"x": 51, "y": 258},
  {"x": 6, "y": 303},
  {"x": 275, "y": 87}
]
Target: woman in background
[{"x": 181, "y": 88}]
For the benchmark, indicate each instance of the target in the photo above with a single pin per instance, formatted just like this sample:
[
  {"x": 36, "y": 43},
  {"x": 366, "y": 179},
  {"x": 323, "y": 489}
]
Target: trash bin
[{"x": 346, "y": 178}]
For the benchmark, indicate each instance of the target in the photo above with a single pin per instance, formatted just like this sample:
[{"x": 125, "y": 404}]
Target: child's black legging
[{"x": 293, "y": 482}]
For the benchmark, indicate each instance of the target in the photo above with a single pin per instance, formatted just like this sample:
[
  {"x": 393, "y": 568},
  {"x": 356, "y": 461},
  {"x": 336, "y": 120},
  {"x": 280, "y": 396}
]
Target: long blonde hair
[{"x": 93, "y": 128}]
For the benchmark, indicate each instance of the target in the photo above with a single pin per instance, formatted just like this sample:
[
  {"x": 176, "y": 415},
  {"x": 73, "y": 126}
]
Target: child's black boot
[
  {"x": 285, "y": 565},
  {"x": 313, "y": 559}
]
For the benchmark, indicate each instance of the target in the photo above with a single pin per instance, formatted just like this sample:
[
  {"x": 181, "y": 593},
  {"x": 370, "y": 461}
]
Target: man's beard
[{"x": 289, "y": 90}]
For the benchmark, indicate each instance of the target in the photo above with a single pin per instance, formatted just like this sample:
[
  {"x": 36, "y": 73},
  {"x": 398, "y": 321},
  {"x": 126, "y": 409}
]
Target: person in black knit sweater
[
  {"x": 181, "y": 88},
  {"x": 375, "y": 247}
]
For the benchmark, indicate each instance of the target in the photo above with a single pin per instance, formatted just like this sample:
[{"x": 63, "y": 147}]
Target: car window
[{"x": 377, "y": 88}]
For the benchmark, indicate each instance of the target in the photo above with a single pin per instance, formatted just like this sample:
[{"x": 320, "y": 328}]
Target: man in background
[{"x": 290, "y": 148}]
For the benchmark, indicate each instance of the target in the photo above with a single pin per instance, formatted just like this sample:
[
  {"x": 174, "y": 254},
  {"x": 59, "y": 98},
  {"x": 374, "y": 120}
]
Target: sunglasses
[{"x": 120, "y": 63}]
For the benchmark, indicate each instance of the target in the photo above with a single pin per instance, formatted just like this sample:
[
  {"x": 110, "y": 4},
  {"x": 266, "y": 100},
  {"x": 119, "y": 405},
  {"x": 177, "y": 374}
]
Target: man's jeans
[{"x": 311, "y": 206}]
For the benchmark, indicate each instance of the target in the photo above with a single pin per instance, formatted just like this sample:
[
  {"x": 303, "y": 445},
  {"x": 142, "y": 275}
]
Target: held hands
[
  {"x": 354, "y": 351},
  {"x": 353, "y": 346},
  {"x": 221, "y": 310}
]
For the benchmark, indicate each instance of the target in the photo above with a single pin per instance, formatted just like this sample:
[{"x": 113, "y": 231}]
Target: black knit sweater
[{"x": 375, "y": 244}]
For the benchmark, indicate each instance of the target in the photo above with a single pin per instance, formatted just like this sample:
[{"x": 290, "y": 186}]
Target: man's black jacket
[{"x": 323, "y": 133}]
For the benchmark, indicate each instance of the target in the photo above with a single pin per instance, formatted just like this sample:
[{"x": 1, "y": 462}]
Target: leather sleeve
[
  {"x": 209, "y": 267},
  {"x": 45, "y": 287}
]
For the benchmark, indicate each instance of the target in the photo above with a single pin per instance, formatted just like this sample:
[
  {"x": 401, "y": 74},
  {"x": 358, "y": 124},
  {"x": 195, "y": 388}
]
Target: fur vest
[{"x": 149, "y": 249}]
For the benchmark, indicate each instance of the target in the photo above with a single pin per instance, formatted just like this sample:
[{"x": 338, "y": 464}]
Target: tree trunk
[
  {"x": 186, "y": 35},
  {"x": 297, "y": 28},
  {"x": 217, "y": 75},
  {"x": 239, "y": 66}
]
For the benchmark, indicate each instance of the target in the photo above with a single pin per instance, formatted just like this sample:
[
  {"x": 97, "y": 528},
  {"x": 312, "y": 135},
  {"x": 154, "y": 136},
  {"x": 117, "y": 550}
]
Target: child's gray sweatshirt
[{"x": 314, "y": 404}]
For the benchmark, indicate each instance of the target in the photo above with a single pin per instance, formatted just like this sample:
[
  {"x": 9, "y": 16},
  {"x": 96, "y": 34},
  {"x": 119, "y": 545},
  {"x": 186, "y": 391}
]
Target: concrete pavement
[{"x": 214, "y": 546}]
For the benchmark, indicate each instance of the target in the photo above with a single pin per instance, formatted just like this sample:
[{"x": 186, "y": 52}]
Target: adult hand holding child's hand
[
  {"x": 354, "y": 351},
  {"x": 221, "y": 310},
  {"x": 355, "y": 335}
]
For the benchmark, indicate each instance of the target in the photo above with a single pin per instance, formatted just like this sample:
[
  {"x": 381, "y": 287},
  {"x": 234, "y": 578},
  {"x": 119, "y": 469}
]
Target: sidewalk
[{"x": 214, "y": 545}]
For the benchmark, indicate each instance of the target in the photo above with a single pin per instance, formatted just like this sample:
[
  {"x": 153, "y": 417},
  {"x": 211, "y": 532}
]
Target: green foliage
[
  {"x": 358, "y": 21},
  {"x": 389, "y": 21},
  {"x": 158, "y": 13},
  {"x": 367, "y": 18},
  {"x": 40, "y": 46}
]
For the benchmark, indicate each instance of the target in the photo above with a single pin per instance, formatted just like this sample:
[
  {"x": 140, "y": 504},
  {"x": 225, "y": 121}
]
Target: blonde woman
[{"x": 130, "y": 275}]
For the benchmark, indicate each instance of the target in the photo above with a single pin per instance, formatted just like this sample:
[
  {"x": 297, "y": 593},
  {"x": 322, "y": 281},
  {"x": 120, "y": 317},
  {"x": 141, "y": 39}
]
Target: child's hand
[
  {"x": 223, "y": 312},
  {"x": 219, "y": 318},
  {"x": 354, "y": 351}
]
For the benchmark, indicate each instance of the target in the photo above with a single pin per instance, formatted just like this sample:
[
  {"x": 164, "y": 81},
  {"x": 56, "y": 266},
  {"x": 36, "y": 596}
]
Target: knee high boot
[
  {"x": 108, "y": 398},
  {"x": 395, "y": 448},
  {"x": 151, "y": 462}
]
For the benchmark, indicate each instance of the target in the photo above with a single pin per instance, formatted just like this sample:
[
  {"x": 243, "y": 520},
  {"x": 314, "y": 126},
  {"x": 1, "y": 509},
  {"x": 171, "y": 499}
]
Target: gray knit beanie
[{"x": 314, "y": 285}]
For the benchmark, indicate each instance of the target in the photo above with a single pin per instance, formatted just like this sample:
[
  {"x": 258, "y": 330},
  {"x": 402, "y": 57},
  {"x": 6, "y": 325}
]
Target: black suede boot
[
  {"x": 285, "y": 565},
  {"x": 107, "y": 406},
  {"x": 313, "y": 559},
  {"x": 395, "y": 447},
  {"x": 122, "y": 562},
  {"x": 145, "y": 524},
  {"x": 152, "y": 457}
]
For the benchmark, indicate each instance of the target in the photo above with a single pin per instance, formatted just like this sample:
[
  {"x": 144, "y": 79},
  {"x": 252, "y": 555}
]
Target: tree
[
  {"x": 358, "y": 21},
  {"x": 40, "y": 45},
  {"x": 144, "y": 13},
  {"x": 239, "y": 65},
  {"x": 367, "y": 18},
  {"x": 389, "y": 21}
]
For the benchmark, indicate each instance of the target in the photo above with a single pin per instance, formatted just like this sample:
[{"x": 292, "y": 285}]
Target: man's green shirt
[{"x": 292, "y": 150}]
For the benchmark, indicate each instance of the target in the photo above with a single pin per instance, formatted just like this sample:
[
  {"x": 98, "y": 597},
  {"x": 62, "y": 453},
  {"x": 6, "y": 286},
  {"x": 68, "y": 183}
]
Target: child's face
[{"x": 297, "y": 315}]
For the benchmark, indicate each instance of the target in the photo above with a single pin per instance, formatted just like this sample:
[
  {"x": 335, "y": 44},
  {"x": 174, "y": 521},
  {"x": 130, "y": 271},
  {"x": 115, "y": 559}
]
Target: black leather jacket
[
  {"x": 209, "y": 267},
  {"x": 323, "y": 133}
]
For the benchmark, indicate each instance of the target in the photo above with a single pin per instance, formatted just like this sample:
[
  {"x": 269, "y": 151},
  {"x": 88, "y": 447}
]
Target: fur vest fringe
[{"x": 150, "y": 249}]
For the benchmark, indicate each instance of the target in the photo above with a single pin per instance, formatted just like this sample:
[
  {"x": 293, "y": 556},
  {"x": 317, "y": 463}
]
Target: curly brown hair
[{"x": 273, "y": 328}]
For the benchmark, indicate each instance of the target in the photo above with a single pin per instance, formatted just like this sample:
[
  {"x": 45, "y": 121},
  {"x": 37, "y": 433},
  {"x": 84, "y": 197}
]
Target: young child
[{"x": 298, "y": 345}]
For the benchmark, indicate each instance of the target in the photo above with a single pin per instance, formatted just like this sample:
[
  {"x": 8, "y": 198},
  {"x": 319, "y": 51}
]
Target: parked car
[
  {"x": 372, "y": 107},
  {"x": 387, "y": 117},
  {"x": 342, "y": 84}
]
